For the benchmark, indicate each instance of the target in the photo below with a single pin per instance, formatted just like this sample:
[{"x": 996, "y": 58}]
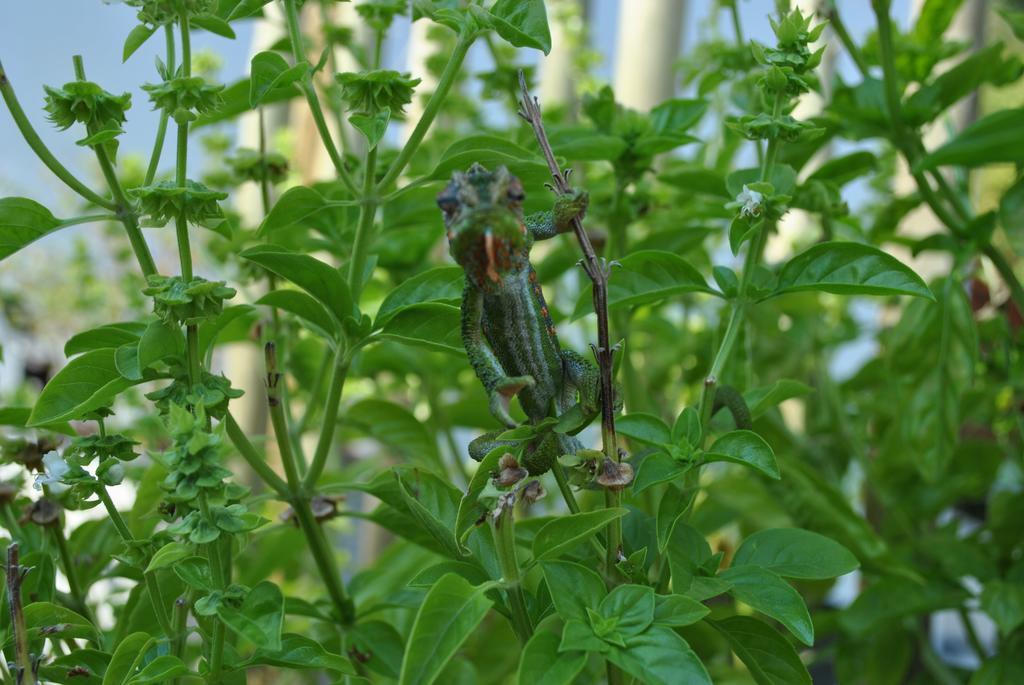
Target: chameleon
[{"x": 506, "y": 325}]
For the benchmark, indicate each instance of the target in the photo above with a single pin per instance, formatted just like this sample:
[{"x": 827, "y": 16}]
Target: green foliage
[{"x": 690, "y": 544}]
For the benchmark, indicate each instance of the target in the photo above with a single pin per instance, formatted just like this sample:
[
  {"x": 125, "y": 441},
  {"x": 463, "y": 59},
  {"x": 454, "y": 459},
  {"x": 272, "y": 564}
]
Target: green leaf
[
  {"x": 523, "y": 23},
  {"x": 849, "y": 269},
  {"x": 632, "y": 606},
  {"x": 658, "y": 468},
  {"x": 768, "y": 656},
  {"x": 381, "y": 643},
  {"x": 429, "y": 520},
  {"x": 213, "y": 24},
  {"x": 760, "y": 400},
  {"x": 169, "y": 554},
  {"x": 644, "y": 277},
  {"x": 490, "y": 151},
  {"x": 160, "y": 341},
  {"x": 88, "y": 381},
  {"x": 542, "y": 663},
  {"x": 645, "y": 428},
  {"x": 562, "y": 534},
  {"x": 138, "y": 35},
  {"x": 126, "y": 361},
  {"x": 991, "y": 139},
  {"x": 981, "y": 66},
  {"x": 672, "y": 505},
  {"x": 18, "y": 418},
  {"x": 246, "y": 8},
  {"x": 395, "y": 426},
  {"x": 269, "y": 71},
  {"x": 22, "y": 222},
  {"x": 578, "y": 636},
  {"x": 772, "y": 596},
  {"x": 660, "y": 657},
  {"x": 450, "y": 612},
  {"x": 60, "y": 621},
  {"x": 259, "y": 618},
  {"x": 678, "y": 610},
  {"x": 373, "y": 127},
  {"x": 746, "y": 448},
  {"x": 300, "y": 652},
  {"x": 111, "y": 335},
  {"x": 306, "y": 308},
  {"x": 584, "y": 143},
  {"x": 442, "y": 284},
  {"x": 1004, "y": 602},
  {"x": 686, "y": 428},
  {"x": 841, "y": 170},
  {"x": 322, "y": 281},
  {"x": 300, "y": 206},
  {"x": 469, "y": 511},
  {"x": 195, "y": 572},
  {"x": 432, "y": 325},
  {"x": 573, "y": 588},
  {"x": 893, "y": 597},
  {"x": 163, "y": 669},
  {"x": 126, "y": 658},
  {"x": 796, "y": 553},
  {"x": 104, "y": 135}
]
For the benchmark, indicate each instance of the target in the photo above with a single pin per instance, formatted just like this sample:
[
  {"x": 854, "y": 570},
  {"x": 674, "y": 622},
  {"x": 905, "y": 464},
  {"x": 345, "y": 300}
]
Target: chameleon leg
[
  {"x": 540, "y": 455},
  {"x": 586, "y": 379},
  {"x": 479, "y": 447},
  {"x": 500, "y": 388},
  {"x": 545, "y": 225}
]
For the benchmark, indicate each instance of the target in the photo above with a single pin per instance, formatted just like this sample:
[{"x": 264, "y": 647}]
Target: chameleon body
[{"x": 506, "y": 327}]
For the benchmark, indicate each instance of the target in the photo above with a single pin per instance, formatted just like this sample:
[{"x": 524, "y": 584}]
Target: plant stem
[
  {"x": 364, "y": 230},
  {"x": 22, "y": 658},
  {"x": 836, "y": 22},
  {"x": 505, "y": 547},
  {"x": 309, "y": 90},
  {"x": 155, "y": 594},
  {"x": 42, "y": 152},
  {"x": 69, "y": 571},
  {"x": 330, "y": 419},
  {"x": 124, "y": 207},
  {"x": 161, "y": 131},
  {"x": 300, "y": 503},
  {"x": 253, "y": 458},
  {"x": 220, "y": 582},
  {"x": 430, "y": 110},
  {"x": 595, "y": 269}
]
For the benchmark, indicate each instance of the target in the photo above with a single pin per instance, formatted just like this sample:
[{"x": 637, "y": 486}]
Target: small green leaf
[
  {"x": 542, "y": 663},
  {"x": 747, "y": 448},
  {"x": 23, "y": 221},
  {"x": 489, "y": 151},
  {"x": 88, "y": 381},
  {"x": 678, "y": 610},
  {"x": 442, "y": 284},
  {"x": 562, "y": 534},
  {"x": 431, "y": 324},
  {"x": 451, "y": 610},
  {"x": 659, "y": 656},
  {"x": 138, "y": 35},
  {"x": 523, "y": 23},
  {"x": 126, "y": 658},
  {"x": 60, "y": 621},
  {"x": 300, "y": 206},
  {"x": 323, "y": 281},
  {"x": 469, "y": 511},
  {"x": 645, "y": 277},
  {"x": 764, "y": 398},
  {"x": 300, "y": 652},
  {"x": 111, "y": 335},
  {"x": 1004, "y": 602},
  {"x": 849, "y": 269},
  {"x": 795, "y": 553},
  {"x": 18, "y": 418},
  {"x": 645, "y": 428},
  {"x": 658, "y": 468},
  {"x": 246, "y": 8},
  {"x": 397, "y": 427},
  {"x": 259, "y": 618},
  {"x": 306, "y": 308},
  {"x": 372, "y": 127},
  {"x": 632, "y": 606},
  {"x": 160, "y": 341},
  {"x": 269, "y": 71},
  {"x": 672, "y": 505},
  {"x": 772, "y": 596},
  {"x": 768, "y": 656},
  {"x": 991, "y": 139},
  {"x": 213, "y": 24},
  {"x": 163, "y": 669},
  {"x": 169, "y": 554},
  {"x": 841, "y": 170},
  {"x": 573, "y": 588}
]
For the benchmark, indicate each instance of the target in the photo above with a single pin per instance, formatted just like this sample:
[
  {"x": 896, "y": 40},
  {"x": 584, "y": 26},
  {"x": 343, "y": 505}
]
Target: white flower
[
  {"x": 750, "y": 202},
  {"x": 56, "y": 468}
]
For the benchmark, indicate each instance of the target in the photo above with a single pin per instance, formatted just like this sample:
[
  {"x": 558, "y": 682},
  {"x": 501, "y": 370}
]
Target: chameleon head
[{"x": 483, "y": 215}]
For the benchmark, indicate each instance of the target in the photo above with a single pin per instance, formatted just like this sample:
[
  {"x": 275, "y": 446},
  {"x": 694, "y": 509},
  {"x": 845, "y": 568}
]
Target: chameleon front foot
[{"x": 502, "y": 394}]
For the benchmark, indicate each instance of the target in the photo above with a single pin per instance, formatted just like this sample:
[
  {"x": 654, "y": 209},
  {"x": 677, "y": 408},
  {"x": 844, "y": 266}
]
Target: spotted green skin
[{"x": 506, "y": 327}]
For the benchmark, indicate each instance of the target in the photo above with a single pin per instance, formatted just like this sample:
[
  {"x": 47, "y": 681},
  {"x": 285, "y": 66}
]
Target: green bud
[
  {"x": 86, "y": 103},
  {"x": 176, "y": 300},
  {"x": 184, "y": 98},
  {"x": 367, "y": 92},
  {"x": 164, "y": 201}
]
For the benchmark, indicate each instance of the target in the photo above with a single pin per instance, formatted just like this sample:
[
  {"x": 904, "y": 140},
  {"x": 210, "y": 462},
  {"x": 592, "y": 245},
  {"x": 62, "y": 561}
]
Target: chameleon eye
[{"x": 448, "y": 205}]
